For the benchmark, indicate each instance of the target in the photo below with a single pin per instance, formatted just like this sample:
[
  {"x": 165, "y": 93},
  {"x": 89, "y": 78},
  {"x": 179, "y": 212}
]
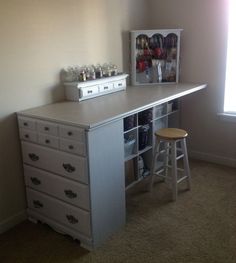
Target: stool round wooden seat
[
  {"x": 171, "y": 133},
  {"x": 167, "y": 157}
]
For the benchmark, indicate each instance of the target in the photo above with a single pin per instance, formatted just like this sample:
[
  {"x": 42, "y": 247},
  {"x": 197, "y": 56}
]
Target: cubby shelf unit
[{"x": 139, "y": 138}]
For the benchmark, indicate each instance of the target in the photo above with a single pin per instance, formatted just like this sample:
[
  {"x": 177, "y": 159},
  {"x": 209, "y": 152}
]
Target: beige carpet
[{"x": 199, "y": 227}]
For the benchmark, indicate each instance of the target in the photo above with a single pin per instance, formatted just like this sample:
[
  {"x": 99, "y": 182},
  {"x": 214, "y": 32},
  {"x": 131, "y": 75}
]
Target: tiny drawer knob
[
  {"x": 33, "y": 157},
  {"x": 47, "y": 141},
  {"x": 70, "y": 194},
  {"x": 71, "y": 147},
  {"x": 69, "y": 133},
  {"x": 72, "y": 219},
  {"x": 35, "y": 180},
  {"x": 46, "y": 128},
  {"x": 37, "y": 204},
  {"x": 68, "y": 167},
  {"x": 26, "y": 136},
  {"x": 25, "y": 124}
]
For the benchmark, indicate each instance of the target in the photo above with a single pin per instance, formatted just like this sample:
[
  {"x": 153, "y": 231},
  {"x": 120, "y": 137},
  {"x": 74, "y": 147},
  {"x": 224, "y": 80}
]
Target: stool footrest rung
[
  {"x": 180, "y": 156},
  {"x": 159, "y": 171},
  {"x": 168, "y": 155},
  {"x": 169, "y": 148},
  {"x": 161, "y": 175},
  {"x": 181, "y": 179}
]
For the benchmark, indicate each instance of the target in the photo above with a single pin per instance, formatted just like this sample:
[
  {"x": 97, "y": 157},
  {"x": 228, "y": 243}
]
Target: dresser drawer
[
  {"x": 89, "y": 91},
  {"x": 28, "y": 135},
  {"x": 59, "y": 211},
  {"x": 119, "y": 84},
  {"x": 27, "y": 123},
  {"x": 64, "y": 189},
  {"x": 106, "y": 87},
  {"x": 47, "y": 140},
  {"x": 72, "y": 133},
  {"x": 71, "y": 166},
  {"x": 47, "y": 128},
  {"x": 73, "y": 147}
]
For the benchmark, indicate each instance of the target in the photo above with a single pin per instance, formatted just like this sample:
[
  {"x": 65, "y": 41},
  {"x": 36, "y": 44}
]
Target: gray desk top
[{"x": 98, "y": 111}]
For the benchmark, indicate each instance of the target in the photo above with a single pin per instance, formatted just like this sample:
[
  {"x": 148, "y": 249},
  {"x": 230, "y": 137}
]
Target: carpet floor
[{"x": 199, "y": 227}]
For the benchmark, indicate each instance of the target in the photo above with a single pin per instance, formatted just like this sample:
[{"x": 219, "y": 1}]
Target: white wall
[
  {"x": 39, "y": 38},
  {"x": 203, "y": 58}
]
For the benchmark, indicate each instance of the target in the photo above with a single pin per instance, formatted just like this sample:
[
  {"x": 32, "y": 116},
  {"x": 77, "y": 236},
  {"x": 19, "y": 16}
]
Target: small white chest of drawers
[{"x": 70, "y": 184}]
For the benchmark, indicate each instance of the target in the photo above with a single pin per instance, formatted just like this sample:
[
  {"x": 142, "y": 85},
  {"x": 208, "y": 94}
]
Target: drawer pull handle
[
  {"x": 70, "y": 133},
  {"x": 47, "y": 141},
  {"x": 37, "y": 204},
  {"x": 120, "y": 84},
  {"x": 68, "y": 167},
  {"x": 33, "y": 157},
  {"x": 27, "y": 136},
  {"x": 106, "y": 87},
  {"x": 25, "y": 124},
  {"x": 71, "y": 147},
  {"x": 70, "y": 194},
  {"x": 35, "y": 180},
  {"x": 46, "y": 128},
  {"x": 90, "y": 91},
  {"x": 72, "y": 219}
]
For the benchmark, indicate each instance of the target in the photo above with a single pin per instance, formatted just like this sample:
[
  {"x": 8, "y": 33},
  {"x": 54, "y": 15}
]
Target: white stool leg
[
  {"x": 154, "y": 162},
  {"x": 186, "y": 163},
  {"x": 166, "y": 159},
  {"x": 174, "y": 170}
]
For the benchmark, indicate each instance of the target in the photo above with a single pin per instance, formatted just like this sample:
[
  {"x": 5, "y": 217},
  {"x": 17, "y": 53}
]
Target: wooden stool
[{"x": 170, "y": 137}]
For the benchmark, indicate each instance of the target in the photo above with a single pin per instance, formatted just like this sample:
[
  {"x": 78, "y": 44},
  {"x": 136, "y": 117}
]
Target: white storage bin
[
  {"x": 169, "y": 107},
  {"x": 129, "y": 147},
  {"x": 160, "y": 110}
]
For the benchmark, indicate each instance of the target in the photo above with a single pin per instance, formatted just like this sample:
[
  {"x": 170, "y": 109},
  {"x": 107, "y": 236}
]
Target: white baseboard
[
  {"x": 12, "y": 221},
  {"x": 212, "y": 158}
]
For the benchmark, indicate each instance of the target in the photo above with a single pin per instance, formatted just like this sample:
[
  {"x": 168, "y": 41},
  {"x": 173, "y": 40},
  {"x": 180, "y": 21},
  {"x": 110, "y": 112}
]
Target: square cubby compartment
[
  {"x": 130, "y": 122},
  {"x": 144, "y": 136},
  {"x": 145, "y": 117}
]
